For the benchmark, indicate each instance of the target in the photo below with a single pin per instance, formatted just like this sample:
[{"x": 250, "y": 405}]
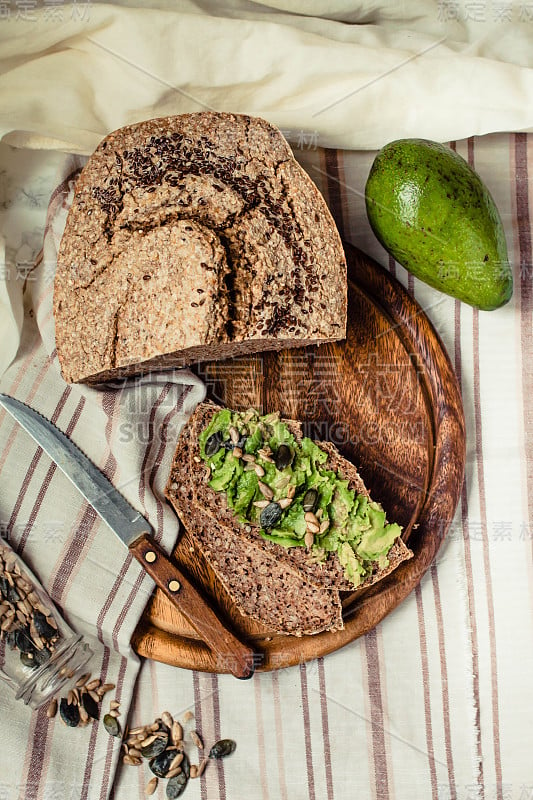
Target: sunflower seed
[
  {"x": 234, "y": 435},
  {"x": 249, "y": 458},
  {"x": 201, "y": 767},
  {"x": 82, "y": 680},
  {"x": 197, "y": 460},
  {"x": 51, "y": 711},
  {"x": 113, "y": 712},
  {"x": 309, "y": 538},
  {"x": 312, "y": 528},
  {"x": 259, "y": 471},
  {"x": 265, "y": 490},
  {"x": 188, "y": 716},
  {"x": 324, "y": 526},
  {"x": 197, "y": 740},
  {"x": 261, "y": 503},
  {"x": 114, "y": 704},
  {"x": 84, "y": 717},
  {"x": 134, "y": 753},
  {"x": 237, "y": 452},
  {"x": 285, "y": 502},
  {"x": 173, "y": 772},
  {"x": 176, "y": 733},
  {"x": 92, "y": 684},
  {"x": 176, "y": 761},
  {"x": 167, "y": 719},
  {"x": 194, "y": 771},
  {"x": 151, "y": 786}
]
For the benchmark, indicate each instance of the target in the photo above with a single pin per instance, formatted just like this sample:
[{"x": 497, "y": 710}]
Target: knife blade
[{"x": 135, "y": 532}]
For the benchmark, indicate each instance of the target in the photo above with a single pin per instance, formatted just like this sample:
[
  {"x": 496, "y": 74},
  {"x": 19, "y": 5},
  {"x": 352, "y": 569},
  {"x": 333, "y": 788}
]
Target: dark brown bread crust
[
  {"x": 191, "y": 238},
  {"x": 329, "y": 573}
]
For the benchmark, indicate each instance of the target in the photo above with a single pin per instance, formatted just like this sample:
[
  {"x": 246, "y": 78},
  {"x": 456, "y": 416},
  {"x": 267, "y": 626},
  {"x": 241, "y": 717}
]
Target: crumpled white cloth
[{"x": 321, "y": 70}]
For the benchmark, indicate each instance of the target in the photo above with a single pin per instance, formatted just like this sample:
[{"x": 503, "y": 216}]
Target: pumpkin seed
[
  {"x": 284, "y": 457},
  {"x": 222, "y": 748},
  {"x": 43, "y": 627},
  {"x": 270, "y": 515},
  {"x": 160, "y": 764},
  {"x": 213, "y": 444},
  {"x": 70, "y": 714},
  {"x": 111, "y": 725},
  {"x": 310, "y": 500},
  {"x": 156, "y": 746},
  {"x": 90, "y": 706},
  {"x": 176, "y": 786}
]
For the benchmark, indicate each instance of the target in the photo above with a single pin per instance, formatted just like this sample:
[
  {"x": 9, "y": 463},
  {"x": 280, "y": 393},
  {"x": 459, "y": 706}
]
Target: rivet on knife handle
[{"x": 235, "y": 655}]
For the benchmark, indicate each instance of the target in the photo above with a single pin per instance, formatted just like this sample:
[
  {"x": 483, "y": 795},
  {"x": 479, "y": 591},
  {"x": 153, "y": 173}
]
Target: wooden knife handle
[{"x": 233, "y": 654}]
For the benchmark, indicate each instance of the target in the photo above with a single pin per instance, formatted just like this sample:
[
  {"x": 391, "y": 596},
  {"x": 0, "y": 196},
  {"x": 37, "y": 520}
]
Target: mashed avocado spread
[{"x": 281, "y": 485}]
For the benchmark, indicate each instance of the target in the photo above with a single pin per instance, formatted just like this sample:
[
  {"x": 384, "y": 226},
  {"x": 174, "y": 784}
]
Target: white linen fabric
[{"x": 435, "y": 702}]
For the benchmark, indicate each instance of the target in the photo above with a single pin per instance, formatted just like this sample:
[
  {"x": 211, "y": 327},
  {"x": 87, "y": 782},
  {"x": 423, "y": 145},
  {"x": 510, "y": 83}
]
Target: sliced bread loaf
[{"x": 193, "y": 238}]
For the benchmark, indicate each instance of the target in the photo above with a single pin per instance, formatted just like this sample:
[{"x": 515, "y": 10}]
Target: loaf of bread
[
  {"x": 285, "y": 588},
  {"x": 193, "y": 238}
]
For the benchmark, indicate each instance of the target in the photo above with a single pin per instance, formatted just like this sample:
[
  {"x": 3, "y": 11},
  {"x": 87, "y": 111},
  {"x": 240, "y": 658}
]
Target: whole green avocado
[{"x": 433, "y": 213}]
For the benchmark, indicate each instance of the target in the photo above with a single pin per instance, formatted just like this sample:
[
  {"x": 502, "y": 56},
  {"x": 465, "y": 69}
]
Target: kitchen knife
[{"x": 136, "y": 533}]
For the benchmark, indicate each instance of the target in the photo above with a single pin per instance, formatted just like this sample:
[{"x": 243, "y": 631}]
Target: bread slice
[
  {"x": 206, "y": 516},
  {"x": 193, "y": 238},
  {"x": 259, "y": 585}
]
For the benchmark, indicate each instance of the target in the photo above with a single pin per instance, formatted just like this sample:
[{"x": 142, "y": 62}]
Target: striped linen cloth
[{"x": 436, "y": 701}]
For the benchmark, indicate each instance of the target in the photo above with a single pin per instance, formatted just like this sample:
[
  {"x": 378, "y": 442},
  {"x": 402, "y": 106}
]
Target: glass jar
[{"x": 39, "y": 653}]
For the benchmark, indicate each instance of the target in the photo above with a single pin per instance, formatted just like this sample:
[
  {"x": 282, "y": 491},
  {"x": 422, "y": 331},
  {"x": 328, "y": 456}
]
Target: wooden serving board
[{"x": 389, "y": 399}]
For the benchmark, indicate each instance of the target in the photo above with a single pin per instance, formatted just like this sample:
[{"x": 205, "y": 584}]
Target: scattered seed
[
  {"x": 51, "y": 711},
  {"x": 284, "y": 457},
  {"x": 95, "y": 696},
  {"x": 92, "y": 684},
  {"x": 70, "y": 714},
  {"x": 270, "y": 515},
  {"x": 310, "y": 500},
  {"x": 261, "y": 503},
  {"x": 188, "y": 716},
  {"x": 176, "y": 733},
  {"x": 114, "y": 704},
  {"x": 324, "y": 526},
  {"x": 291, "y": 490},
  {"x": 201, "y": 767},
  {"x": 222, "y": 748},
  {"x": 82, "y": 680},
  {"x": 134, "y": 753},
  {"x": 194, "y": 771},
  {"x": 237, "y": 452},
  {"x": 249, "y": 458},
  {"x": 111, "y": 725},
  {"x": 151, "y": 786},
  {"x": 265, "y": 490},
  {"x": 84, "y": 716},
  {"x": 107, "y": 687},
  {"x": 90, "y": 705},
  {"x": 173, "y": 772},
  {"x": 259, "y": 471},
  {"x": 178, "y": 758},
  {"x": 309, "y": 539},
  {"x": 114, "y": 712},
  {"x": 135, "y": 731},
  {"x": 133, "y": 762},
  {"x": 234, "y": 435},
  {"x": 167, "y": 719},
  {"x": 310, "y": 517},
  {"x": 197, "y": 460},
  {"x": 285, "y": 502},
  {"x": 197, "y": 740}
]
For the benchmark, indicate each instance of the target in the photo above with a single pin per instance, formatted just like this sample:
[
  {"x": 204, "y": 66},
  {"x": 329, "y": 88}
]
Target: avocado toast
[{"x": 230, "y": 490}]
